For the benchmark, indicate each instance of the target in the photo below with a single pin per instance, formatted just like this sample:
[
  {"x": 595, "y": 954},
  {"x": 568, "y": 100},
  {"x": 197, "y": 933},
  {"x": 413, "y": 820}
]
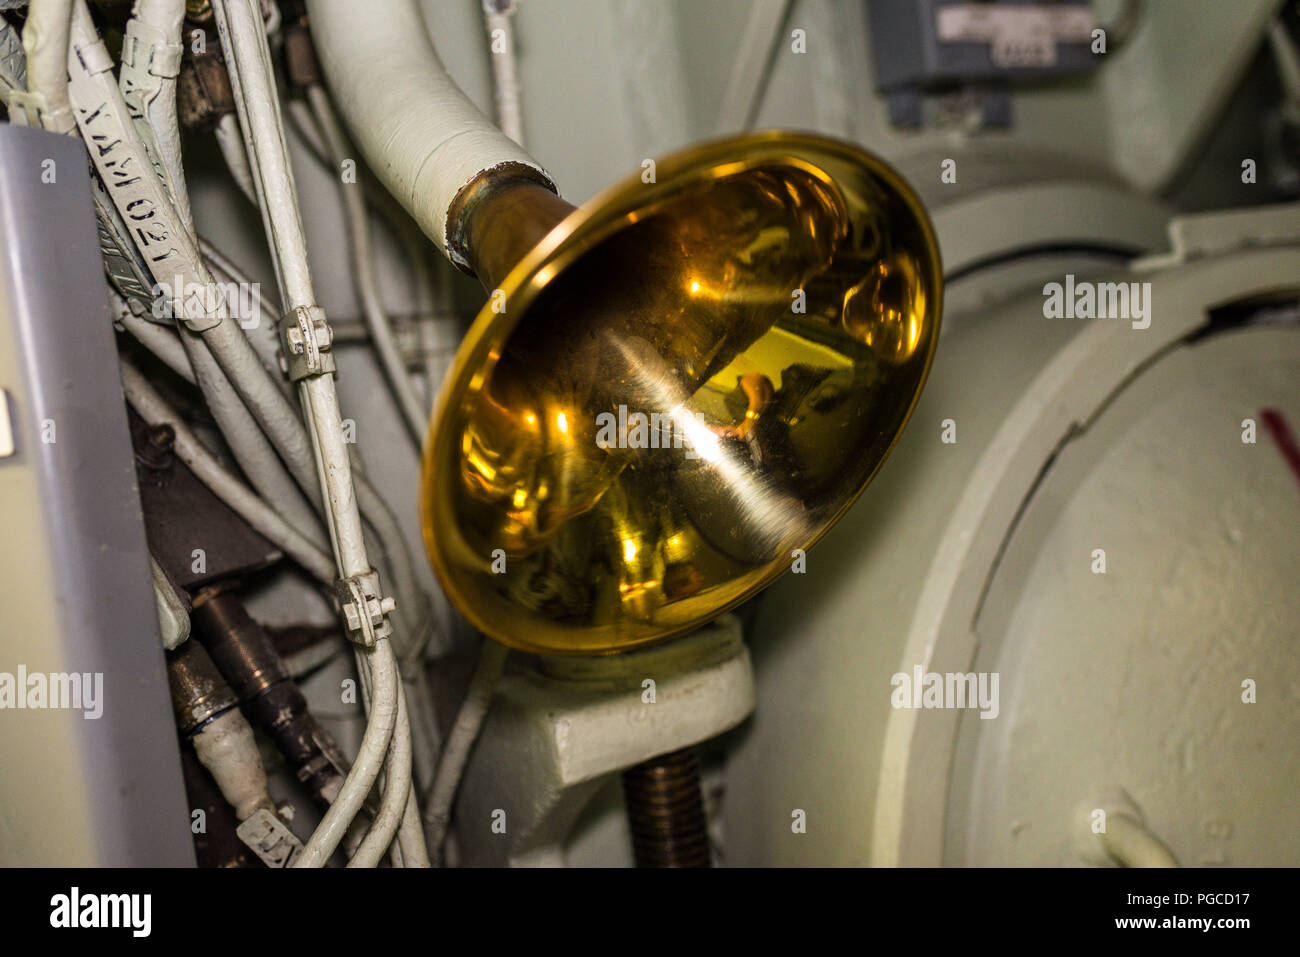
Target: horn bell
[{"x": 674, "y": 390}]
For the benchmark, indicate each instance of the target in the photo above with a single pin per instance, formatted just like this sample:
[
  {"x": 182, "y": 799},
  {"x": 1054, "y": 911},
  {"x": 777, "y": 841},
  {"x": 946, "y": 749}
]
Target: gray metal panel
[{"x": 111, "y": 788}]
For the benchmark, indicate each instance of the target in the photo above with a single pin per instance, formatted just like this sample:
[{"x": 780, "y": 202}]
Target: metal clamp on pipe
[{"x": 305, "y": 341}]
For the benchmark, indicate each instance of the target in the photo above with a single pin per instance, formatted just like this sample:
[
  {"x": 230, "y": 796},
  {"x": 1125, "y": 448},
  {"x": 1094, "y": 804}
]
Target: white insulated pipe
[{"x": 419, "y": 133}]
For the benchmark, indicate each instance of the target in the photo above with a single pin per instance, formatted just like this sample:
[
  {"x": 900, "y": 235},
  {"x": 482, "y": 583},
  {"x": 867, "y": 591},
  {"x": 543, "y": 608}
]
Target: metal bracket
[
  {"x": 560, "y": 727},
  {"x": 363, "y": 592},
  {"x": 305, "y": 340}
]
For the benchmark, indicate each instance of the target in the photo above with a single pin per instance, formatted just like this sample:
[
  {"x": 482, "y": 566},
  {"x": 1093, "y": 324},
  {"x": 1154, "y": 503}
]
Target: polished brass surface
[{"x": 673, "y": 389}]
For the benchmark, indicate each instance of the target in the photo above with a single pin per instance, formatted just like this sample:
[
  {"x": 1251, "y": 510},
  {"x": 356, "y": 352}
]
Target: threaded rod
[{"x": 666, "y": 812}]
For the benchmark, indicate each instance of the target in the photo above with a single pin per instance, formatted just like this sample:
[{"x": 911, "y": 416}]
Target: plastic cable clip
[
  {"x": 30, "y": 109},
  {"x": 269, "y": 838}
]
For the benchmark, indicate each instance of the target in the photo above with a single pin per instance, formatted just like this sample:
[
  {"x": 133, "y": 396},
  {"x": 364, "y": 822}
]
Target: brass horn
[{"x": 673, "y": 390}]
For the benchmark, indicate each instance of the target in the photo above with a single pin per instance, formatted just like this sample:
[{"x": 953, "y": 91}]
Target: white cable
[
  {"x": 410, "y": 835},
  {"x": 248, "y": 441},
  {"x": 260, "y": 322},
  {"x": 392, "y": 804},
  {"x": 127, "y": 167},
  {"x": 438, "y": 334},
  {"x": 248, "y": 65},
  {"x": 248, "y": 60},
  {"x": 237, "y": 427},
  {"x": 363, "y": 264},
  {"x": 374, "y": 508},
  {"x": 425, "y": 740},
  {"x": 91, "y": 68},
  {"x": 183, "y": 353},
  {"x": 122, "y": 262},
  {"x": 280, "y": 213},
  {"x": 408, "y": 850},
  {"x": 45, "y": 38},
  {"x": 158, "y": 339},
  {"x": 460, "y": 744},
  {"x": 170, "y": 251},
  {"x": 381, "y": 721},
  {"x": 417, "y": 130},
  {"x": 151, "y": 61},
  {"x": 413, "y": 604},
  {"x": 1130, "y": 844},
  {"x": 231, "y": 142},
  {"x": 436, "y": 344},
  {"x": 426, "y": 141},
  {"x": 499, "y": 18},
  {"x": 244, "y": 501}
]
